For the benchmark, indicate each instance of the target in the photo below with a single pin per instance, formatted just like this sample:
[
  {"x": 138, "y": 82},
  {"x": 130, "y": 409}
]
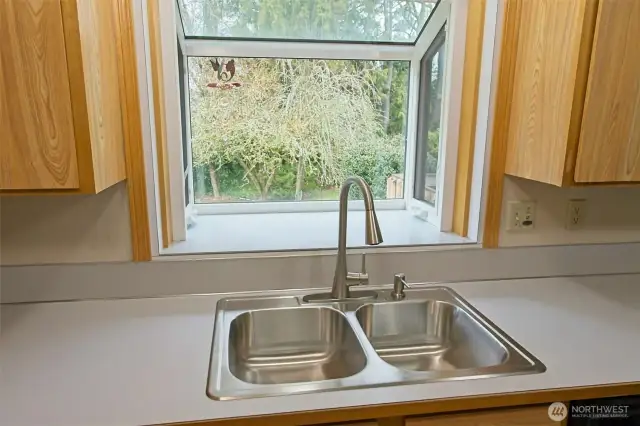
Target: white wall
[
  {"x": 65, "y": 229},
  {"x": 78, "y": 229},
  {"x": 612, "y": 215}
]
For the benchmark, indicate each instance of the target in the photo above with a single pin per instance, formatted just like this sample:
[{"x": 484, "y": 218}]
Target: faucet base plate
[{"x": 326, "y": 297}]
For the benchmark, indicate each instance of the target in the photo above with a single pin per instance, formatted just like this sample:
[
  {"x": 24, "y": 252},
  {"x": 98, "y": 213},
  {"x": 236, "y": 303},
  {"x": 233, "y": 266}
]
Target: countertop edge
[{"x": 432, "y": 406}]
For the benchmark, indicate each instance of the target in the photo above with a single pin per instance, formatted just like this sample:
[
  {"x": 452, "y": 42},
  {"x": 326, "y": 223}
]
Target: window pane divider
[
  {"x": 298, "y": 50},
  {"x": 292, "y": 207}
]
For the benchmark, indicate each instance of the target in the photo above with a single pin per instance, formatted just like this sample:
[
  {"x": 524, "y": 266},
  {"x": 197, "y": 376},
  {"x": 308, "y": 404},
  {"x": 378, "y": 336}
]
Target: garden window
[{"x": 276, "y": 102}]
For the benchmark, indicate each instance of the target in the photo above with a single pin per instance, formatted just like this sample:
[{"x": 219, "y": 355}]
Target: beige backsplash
[
  {"x": 76, "y": 229},
  {"x": 612, "y": 216},
  {"x": 65, "y": 229}
]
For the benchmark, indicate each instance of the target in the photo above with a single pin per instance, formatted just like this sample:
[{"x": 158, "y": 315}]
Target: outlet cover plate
[
  {"x": 521, "y": 215},
  {"x": 576, "y": 213}
]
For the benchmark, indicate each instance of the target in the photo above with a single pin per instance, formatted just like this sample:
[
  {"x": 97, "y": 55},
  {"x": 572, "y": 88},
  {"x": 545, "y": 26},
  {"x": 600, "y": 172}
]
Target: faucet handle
[{"x": 359, "y": 278}]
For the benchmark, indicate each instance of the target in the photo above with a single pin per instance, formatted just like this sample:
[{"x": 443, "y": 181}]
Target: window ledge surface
[{"x": 232, "y": 233}]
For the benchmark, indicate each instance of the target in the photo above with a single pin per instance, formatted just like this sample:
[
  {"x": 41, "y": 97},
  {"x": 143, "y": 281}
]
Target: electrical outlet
[
  {"x": 576, "y": 212},
  {"x": 521, "y": 215}
]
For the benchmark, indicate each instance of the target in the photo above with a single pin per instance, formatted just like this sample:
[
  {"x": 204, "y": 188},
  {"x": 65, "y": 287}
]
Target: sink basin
[
  {"x": 301, "y": 342},
  {"x": 293, "y": 345},
  {"x": 429, "y": 335}
]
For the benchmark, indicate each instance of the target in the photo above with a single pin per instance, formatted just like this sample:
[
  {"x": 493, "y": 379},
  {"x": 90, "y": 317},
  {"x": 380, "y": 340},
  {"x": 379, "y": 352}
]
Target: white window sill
[{"x": 233, "y": 233}]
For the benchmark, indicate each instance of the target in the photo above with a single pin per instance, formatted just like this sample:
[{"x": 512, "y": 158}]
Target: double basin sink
[{"x": 282, "y": 345}]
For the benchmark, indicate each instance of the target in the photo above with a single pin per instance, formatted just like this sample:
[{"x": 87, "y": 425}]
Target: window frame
[
  {"x": 328, "y": 51},
  {"x": 440, "y": 215},
  {"x": 168, "y": 16},
  {"x": 441, "y": 17},
  {"x": 301, "y": 50},
  {"x": 453, "y": 17},
  {"x": 185, "y": 110},
  {"x": 424, "y": 91},
  {"x": 455, "y": 50}
]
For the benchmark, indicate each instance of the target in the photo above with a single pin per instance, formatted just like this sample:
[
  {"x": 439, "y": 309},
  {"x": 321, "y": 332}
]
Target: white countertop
[{"x": 145, "y": 361}]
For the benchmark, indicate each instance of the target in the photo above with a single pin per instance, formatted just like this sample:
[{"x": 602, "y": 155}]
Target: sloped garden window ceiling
[{"x": 377, "y": 21}]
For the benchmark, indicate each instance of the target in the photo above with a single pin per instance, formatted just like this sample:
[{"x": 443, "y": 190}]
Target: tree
[
  {"x": 307, "y": 113},
  {"x": 238, "y": 125},
  {"x": 375, "y": 160},
  {"x": 328, "y": 108}
]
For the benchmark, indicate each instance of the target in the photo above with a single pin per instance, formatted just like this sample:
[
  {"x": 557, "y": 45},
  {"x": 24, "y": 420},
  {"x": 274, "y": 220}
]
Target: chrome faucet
[{"x": 340, "y": 289}]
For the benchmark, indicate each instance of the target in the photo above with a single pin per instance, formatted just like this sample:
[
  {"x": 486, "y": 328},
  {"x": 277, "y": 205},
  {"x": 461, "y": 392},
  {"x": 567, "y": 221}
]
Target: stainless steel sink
[
  {"x": 429, "y": 335},
  {"x": 293, "y": 345},
  {"x": 282, "y": 345}
]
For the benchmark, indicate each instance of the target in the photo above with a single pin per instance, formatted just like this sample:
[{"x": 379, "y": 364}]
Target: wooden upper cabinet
[
  {"x": 609, "y": 148},
  {"x": 60, "y": 109},
  {"x": 576, "y": 92},
  {"x": 554, "y": 42},
  {"x": 37, "y": 142}
]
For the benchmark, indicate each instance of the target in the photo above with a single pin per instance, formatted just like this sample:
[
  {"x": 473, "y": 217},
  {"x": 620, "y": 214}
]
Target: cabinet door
[
  {"x": 609, "y": 149},
  {"x": 536, "y": 416},
  {"x": 98, "y": 28},
  {"x": 549, "y": 67},
  {"x": 37, "y": 143}
]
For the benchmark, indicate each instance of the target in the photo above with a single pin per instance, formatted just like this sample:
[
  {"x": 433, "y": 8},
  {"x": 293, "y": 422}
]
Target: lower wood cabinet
[
  {"x": 361, "y": 423},
  {"x": 531, "y": 416},
  {"x": 527, "y": 416}
]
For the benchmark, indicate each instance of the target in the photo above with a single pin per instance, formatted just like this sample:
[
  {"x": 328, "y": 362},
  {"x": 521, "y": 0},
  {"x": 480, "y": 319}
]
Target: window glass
[
  {"x": 326, "y": 20},
  {"x": 429, "y": 112},
  {"x": 294, "y": 129}
]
